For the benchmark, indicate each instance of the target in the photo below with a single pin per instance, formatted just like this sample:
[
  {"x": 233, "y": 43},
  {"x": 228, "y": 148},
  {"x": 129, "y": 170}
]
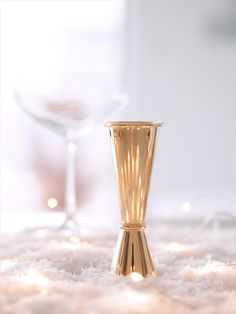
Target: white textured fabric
[{"x": 56, "y": 274}]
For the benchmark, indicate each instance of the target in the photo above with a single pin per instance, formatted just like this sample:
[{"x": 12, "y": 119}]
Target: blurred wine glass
[{"x": 71, "y": 106}]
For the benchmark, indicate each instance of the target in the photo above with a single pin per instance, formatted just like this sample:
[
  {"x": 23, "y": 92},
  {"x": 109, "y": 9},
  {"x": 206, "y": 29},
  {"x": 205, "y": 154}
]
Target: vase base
[{"x": 132, "y": 254}]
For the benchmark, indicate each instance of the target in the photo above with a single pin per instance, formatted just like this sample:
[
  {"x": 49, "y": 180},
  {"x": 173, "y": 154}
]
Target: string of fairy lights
[{"x": 37, "y": 277}]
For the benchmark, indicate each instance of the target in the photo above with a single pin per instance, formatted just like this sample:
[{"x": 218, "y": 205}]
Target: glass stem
[{"x": 70, "y": 188}]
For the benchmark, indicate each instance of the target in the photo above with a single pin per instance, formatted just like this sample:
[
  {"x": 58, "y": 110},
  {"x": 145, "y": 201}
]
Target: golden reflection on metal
[{"x": 133, "y": 145}]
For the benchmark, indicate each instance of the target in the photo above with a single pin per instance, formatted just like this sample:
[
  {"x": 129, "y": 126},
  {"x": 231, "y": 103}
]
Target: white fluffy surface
[{"x": 53, "y": 274}]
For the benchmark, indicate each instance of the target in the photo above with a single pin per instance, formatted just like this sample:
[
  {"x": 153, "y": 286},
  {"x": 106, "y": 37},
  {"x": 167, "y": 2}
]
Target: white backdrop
[{"x": 182, "y": 65}]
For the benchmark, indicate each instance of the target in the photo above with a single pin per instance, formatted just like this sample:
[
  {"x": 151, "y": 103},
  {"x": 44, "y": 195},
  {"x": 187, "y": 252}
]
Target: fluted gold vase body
[{"x": 133, "y": 146}]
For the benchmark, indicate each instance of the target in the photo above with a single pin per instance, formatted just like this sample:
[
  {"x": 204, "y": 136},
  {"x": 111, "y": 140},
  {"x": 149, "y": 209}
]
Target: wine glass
[{"x": 71, "y": 106}]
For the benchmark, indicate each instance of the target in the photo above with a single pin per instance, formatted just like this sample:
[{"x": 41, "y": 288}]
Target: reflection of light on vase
[{"x": 133, "y": 145}]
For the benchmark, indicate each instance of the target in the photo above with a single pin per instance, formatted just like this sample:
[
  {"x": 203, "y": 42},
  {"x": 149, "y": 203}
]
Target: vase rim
[{"x": 133, "y": 124}]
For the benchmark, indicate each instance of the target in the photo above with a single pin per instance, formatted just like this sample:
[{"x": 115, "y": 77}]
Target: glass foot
[{"x": 70, "y": 227}]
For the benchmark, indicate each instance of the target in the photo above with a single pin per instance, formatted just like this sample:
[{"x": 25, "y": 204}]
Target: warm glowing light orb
[
  {"x": 5, "y": 264},
  {"x": 186, "y": 206},
  {"x": 175, "y": 247},
  {"x": 136, "y": 277},
  {"x": 74, "y": 240},
  {"x": 33, "y": 276},
  {"x": 52, "y": 202}
]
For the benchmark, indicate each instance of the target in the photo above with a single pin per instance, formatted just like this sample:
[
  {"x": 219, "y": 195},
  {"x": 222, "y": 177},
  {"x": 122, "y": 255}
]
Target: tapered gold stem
[{"x": 133, "y": 145}]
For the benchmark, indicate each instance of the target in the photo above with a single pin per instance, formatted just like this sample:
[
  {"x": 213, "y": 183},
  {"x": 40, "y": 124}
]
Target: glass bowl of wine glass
[{"x": 70, "y": 105}]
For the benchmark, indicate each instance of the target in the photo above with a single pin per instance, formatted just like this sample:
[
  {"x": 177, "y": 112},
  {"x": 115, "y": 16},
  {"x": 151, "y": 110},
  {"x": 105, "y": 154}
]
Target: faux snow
[{"x": 54, "y": 274}]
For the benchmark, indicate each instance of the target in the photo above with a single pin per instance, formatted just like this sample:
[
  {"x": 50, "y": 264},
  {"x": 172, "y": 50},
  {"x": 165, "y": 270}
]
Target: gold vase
[{"x": 133, "y": 146}]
